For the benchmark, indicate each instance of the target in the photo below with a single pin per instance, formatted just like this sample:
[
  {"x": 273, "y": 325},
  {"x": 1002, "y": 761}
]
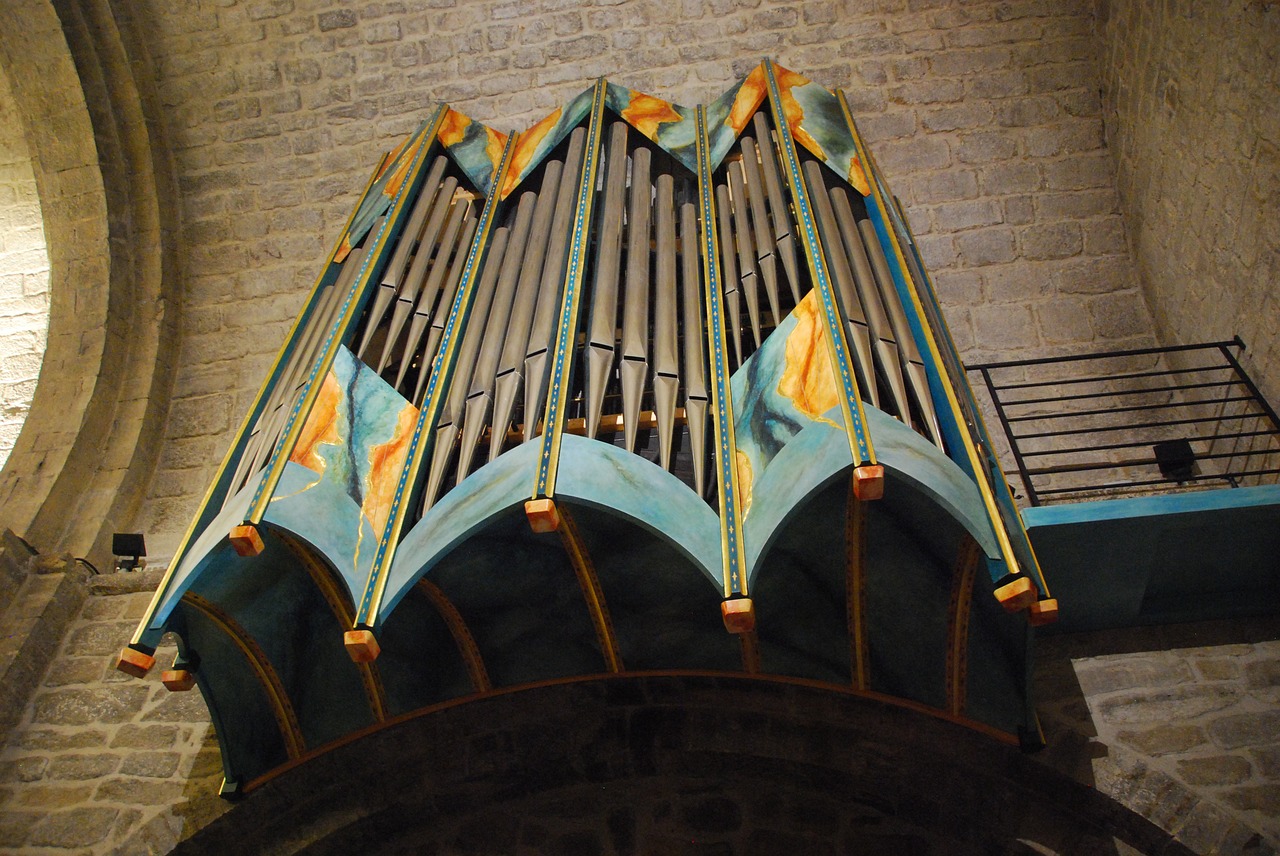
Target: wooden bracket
[
  {"x": 134, "y": 662},
  {"x": 542, "y": 515},
  {"x": 739, "y": 614},
  {"x": 1017, "y": 595},
  {"x": 178, "y": 680},
  {"x": 868, "y": 482},
  {"x": 361, "y": 645},
  {"x": 246, "y": 540},
  {"x": 1043, "y": 612}
]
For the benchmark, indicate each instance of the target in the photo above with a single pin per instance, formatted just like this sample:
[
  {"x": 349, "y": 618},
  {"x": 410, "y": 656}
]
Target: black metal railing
[{"x": 1148, "y": 420}]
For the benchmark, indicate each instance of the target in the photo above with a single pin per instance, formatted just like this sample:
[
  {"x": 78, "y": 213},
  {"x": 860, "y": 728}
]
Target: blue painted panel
[{"x": 1156, "y": 559}]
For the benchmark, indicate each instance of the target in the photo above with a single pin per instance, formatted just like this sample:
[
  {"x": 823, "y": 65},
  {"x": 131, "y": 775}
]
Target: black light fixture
[
  {"x": 1176, "y": 459},
  {"x": 128, "y": 548}
]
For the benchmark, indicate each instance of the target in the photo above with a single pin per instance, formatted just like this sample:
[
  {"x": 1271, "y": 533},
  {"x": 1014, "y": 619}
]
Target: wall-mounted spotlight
[{"x": 129, "y": 549}]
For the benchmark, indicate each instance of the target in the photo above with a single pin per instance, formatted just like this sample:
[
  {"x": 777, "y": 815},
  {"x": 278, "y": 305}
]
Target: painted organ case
[{"x": 644, "y": 388}]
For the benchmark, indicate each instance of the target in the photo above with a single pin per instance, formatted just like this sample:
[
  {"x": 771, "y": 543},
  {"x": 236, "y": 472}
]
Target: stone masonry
[
  {"x": 1180, "y": 723},
  {"x": 1196, "y": 138},
  {"x": 984, "y": 115},
  {"x": 104, "y": 763},
  {"x": 24, "y": 276}
]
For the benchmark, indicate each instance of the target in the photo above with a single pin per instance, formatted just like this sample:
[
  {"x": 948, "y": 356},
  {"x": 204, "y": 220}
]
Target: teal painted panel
[
  {"x": 345, "y": 467},
  {"x": 1149, "y": 560},
  {"x": 595, "y": 473},
  {"x": 787, "y": 451},
  {"x": 669, "y": 125}
]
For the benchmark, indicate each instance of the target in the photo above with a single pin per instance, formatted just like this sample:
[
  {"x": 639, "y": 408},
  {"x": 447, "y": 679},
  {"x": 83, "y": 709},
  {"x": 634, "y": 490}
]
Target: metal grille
[{"x": 1120, "y": 423}]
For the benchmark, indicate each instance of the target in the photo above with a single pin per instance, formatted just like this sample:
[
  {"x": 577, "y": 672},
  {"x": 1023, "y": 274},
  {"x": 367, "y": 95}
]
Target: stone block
[
  {"x": 134, "y": 791},
  {"x": 27, "y": 769},
  {"x": 15, "y": 826},
  {"x": 967, "y": 214},
  {"x": 1217, "y": 669},
  {"x": 155, "y": 765},
  {"x": 1051, "y": 241},
  {"x": 1214, "y": 770},
  {"x": 132, "y": 736},
  {"x": 83, "y": 766},
  {"x": 1264, "y": 799},
  {"x": 1064, "y": 321},
  {"x": 1163, "y": 739},
  {"x": 1170, "y": 705},
  {"x": 337, "y": 20},
  {"x": 1263, "y": 675},
  {"x": 1119, "y": 316},
  {"x": 947, "y": 186},
  {"x": 84, "y": 706},
  {"x": 98, "y": 639},
  {"x": 77, "y": 827},
  {"x": 178, "y": 708},
  {"x": 1106, "y": 674},
  {"x": 986, "y": 247},
  {"x": 1246, "y": 729}
]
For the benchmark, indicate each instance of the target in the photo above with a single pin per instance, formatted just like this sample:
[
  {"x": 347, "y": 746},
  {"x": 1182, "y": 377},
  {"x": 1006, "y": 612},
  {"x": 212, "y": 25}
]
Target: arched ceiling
[{"x": 78, "y": 469}]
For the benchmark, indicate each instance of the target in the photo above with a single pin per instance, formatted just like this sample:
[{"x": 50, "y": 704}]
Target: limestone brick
[
  {"x": 1187, "y": 736},
  {"x": 107, "y": 763},
  {"x": 24, "y": 275},
  {"x": 1194, "y": 138}
]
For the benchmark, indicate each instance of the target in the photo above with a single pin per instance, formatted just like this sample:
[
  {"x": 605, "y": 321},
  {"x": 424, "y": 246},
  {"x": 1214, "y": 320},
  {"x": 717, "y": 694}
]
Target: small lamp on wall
[{"x": 129, "y": 549}]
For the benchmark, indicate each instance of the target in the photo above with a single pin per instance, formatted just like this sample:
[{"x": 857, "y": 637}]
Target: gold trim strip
[
  {"x": 732, "y": 550},
  {"x": 860, "y": 446},
  {"x": 262, "y": 498},
  {"x": 462, "y": 637},
  {"x": 958, "y": 624},
  {"x": 567, "y": 330},
  {"x": 589, "y": 582},
  {"x": 435, "y": 395},
  {"x": 237, "y": 445},
  {"x": 975, "y": 461},
  {"x": 370, "y": 677}
]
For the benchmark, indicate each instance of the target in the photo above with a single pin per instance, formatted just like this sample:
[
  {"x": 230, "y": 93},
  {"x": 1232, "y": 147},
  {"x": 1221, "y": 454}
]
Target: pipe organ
[{"x": 641, "y": 388}]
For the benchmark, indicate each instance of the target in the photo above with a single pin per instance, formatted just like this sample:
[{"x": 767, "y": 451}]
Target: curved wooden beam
[
  {"x": 344, "y": 611},
  {"x": 281, "y": 707},
  {"x": 750, "y": 652},
  {"x": 585, "y": 570},
  {"x": 461, "y": 634},
  {"x": 958, "y": 624},
  {"x": 855, "y": 547}
]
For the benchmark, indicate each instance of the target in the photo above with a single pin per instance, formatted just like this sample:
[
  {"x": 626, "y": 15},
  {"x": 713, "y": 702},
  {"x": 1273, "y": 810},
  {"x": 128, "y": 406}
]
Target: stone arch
[
  {"x": 81, "y": 83},
  {"x": 24, "y": 274},
  {"x": 651, "y": 763}
]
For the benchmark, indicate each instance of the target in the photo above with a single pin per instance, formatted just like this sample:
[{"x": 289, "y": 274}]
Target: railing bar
[
  {"x": 1084, "y": 395},
  {"x": 1100, "y": 378},
  {"x": 1130, "y": 409},
  {"x": 1136, "y": 352},
  {"x": 1008, "y": 432},
  {"x": 1248, "y": 382},
  {"x": 1139, "y": 443},
  {"x": 1144, "y": 462},
  {"x": 1123, "y": 485},
  {"x": 1139, "y": 426}
]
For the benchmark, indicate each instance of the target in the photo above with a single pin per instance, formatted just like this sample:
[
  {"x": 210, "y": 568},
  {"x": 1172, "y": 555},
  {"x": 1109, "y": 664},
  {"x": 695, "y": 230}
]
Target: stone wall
[
  {"x": 1180, "y": 723},
  {"x": 24, "y": 275},
  {"x": 100, "y": 762},
  {"x": 1190, "y": 90},
  {"x": 984, "y": 115}
]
